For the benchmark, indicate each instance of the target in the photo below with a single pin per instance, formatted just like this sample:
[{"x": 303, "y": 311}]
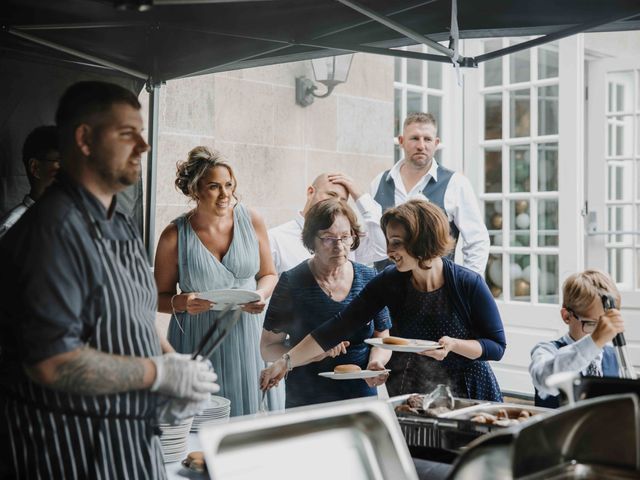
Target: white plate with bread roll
[
  {"x": 351, "y": 372},
  {"x": 407, "y": 345}
]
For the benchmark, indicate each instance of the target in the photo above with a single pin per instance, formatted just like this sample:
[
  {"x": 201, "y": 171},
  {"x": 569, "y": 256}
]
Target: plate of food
[
  {"x": 230, "y": 296},
  {"x": 407, "y": 345},
  {"x": 351, "y": 372}
]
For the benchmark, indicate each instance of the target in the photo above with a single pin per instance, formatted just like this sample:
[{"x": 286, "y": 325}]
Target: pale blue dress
[{"x": 237, "y": 361}]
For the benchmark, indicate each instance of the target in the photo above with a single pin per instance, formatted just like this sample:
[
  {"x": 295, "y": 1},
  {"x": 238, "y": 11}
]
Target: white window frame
[{"x": 528, "y": 323}]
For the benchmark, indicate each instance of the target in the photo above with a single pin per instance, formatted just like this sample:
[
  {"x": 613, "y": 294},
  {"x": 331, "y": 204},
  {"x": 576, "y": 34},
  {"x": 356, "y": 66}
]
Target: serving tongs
[
  {"x": 222, "y": 330},
  {"x": 620, "y": 344},
  {"x": 441, "y": 396}
]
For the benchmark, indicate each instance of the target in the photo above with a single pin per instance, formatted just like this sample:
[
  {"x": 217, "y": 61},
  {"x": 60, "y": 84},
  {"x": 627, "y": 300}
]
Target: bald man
[{"x": 286, "y": 239}]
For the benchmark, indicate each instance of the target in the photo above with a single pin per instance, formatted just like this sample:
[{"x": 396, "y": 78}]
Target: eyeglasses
[
  {"x": 332, "y": 241},
  {"x": 588, "y": 324}
]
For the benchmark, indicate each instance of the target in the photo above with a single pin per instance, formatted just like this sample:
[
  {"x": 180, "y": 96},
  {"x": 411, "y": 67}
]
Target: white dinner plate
[
  {"x": 233, "y": 296},
  {"x": 414, "y": 346},
  {"x": 352, "y": 375}
]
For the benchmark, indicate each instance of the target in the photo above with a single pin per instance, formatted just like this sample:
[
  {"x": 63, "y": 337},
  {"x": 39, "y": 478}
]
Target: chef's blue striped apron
[{"x": 59, "y": 435}]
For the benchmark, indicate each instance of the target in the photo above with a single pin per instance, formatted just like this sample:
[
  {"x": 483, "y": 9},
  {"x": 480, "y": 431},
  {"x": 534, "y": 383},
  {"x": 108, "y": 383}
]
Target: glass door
[{"x": 613, "y": 175}]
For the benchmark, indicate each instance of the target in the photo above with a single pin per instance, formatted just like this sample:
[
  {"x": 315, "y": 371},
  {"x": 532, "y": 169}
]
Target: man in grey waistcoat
[{"x": 418, "y": 175}]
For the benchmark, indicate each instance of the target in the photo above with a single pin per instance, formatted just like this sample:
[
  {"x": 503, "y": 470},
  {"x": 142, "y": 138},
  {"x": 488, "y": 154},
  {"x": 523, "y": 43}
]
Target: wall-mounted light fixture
[{"x": 330, "y": 71}]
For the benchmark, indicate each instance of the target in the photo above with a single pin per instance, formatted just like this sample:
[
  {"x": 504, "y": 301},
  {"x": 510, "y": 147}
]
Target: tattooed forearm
[{"x": 90, "y": 372}]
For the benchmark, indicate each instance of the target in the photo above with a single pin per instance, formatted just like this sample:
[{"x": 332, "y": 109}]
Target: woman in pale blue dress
[{"x": 220, "y": 244}]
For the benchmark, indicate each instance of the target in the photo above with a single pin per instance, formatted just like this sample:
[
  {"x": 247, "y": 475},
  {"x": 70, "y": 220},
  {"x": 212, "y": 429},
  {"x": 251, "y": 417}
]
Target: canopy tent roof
[{"x": 177, "y": 38}]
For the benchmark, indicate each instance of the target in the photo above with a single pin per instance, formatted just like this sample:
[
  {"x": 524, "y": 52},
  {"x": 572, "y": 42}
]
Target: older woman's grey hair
[
  {"x": 322, "y": 215},
  {"x": 199, "y": 161}
]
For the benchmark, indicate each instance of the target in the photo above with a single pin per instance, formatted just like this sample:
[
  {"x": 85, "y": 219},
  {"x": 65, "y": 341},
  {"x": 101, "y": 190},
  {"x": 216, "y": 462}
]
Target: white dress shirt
[
  {"x": 13, "y": 215},
  {"x": 547, "y": 359},
  {"x": 461, "y": 205},
  {"x": 288, "y": 251}
]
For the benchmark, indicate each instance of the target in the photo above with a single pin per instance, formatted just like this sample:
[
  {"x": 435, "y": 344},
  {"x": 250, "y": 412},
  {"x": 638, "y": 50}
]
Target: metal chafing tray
[
  {"x": 451, "y": 430},
  {"x": 597, "y": 438},
  {"x": 356, "y": 439}
]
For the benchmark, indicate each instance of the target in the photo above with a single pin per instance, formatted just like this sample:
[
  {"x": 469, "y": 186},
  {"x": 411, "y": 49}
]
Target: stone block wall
[{"x": 275, "y": 146}]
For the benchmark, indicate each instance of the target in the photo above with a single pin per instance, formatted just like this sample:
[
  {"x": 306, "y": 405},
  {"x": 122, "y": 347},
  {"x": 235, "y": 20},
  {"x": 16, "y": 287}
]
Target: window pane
[
  {"x": 548, "y": 110},
  {"x": 493, "y": 116},
  {"x": 397, "y": 111},
  {"x": 519, "y": 65},
  {"x": 493, "y": 221},
  {"x": 434, "y": 107},
  {"x": 620, "y": 91},
  {"x": 492, "y": 68},
  {"x": 434, "y": 75},
  {"x": 620, "y": 266},
  {"x": 620, "y": 219},
  {"x": 492, "y": 171},
  {"x": 548, "y": 279},
  {"x": 414, "y": 68},
  {"x": 548, "y": 61},
  {"x": 519, "y": 166},
  {"x": 620, "y": 185},
  {"x": 547, "y": 223},
  {"x": 397, "y": 69},
  {"x": 518, "y": 276},
  {"x": 638, "y": 185},
  {"x": 519, "y": 113},
  {"x": 548, "y": 167},
  {"x": 397, "y": 153},
  {"x": 414, "y": 102},
  {"x": 493, "y": 275},
  {"x": 620, "y": 133},
  {"x": 520, "y": 223}
]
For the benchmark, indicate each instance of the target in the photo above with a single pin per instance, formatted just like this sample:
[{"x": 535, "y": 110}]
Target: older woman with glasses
[
  {"x": 429, "y": 298},
  {"x": 584, "y": 348},
  {"x": 314, "y": 291}
]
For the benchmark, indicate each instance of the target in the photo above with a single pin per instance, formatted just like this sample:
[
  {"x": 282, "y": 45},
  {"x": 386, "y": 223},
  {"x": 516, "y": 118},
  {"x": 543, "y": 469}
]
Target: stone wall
[{"x": 275, "y": 146}]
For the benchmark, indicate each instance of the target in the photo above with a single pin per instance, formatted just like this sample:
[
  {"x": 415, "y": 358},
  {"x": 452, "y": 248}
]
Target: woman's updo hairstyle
[{"x": 199, "y": 161}]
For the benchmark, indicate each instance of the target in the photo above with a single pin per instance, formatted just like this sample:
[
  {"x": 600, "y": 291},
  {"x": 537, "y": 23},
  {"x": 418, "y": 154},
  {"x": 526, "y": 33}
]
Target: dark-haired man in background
[
  {"x": 41, "y": 158},
  {"x": 82, "y": 366}
]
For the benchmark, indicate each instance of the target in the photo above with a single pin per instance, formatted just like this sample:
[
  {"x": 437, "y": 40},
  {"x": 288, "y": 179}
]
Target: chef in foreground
[{"x": 83, "y": 378}]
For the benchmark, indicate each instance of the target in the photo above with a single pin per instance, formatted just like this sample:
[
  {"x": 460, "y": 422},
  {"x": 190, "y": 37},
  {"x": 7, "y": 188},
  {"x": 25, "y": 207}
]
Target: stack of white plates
[
  {"x": 174, "y": 439},
  {"x": 217, "y": 411}
]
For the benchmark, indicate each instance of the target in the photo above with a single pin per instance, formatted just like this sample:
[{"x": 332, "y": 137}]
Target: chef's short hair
[{"x": 83, "y": 100}]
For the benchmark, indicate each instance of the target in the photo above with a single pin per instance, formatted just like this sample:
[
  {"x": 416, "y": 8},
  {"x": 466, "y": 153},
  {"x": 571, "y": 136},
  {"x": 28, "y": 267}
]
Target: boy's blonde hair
[{"x": 581, "y": 289}]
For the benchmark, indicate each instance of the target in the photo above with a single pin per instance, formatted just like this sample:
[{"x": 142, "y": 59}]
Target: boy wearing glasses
[{"x": 584, "y": 348}]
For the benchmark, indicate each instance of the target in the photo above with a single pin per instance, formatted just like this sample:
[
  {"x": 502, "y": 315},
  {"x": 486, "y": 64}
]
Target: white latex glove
[
  {"x": 174, "y": 410},
  {"x": 179, "y": 376}
]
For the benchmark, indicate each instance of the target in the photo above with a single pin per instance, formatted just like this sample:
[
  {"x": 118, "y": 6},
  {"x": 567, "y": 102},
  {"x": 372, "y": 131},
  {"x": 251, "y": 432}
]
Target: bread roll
[
  {"x": 347, "y": 368},
  {"x": 395, "y": 341}
]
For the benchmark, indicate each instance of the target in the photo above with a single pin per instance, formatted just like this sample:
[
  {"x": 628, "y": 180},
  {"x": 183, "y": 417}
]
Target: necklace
[{"x": 323, "y": 284}]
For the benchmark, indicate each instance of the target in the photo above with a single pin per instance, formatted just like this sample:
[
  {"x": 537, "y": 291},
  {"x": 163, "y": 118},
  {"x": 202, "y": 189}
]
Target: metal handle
[
  {"x": 620, "y": 344},
  {"x": 592, "y": 227}
]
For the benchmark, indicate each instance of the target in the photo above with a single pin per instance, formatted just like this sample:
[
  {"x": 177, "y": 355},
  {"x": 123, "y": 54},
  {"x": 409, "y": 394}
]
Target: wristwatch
[{"x": 287, "y": 358}]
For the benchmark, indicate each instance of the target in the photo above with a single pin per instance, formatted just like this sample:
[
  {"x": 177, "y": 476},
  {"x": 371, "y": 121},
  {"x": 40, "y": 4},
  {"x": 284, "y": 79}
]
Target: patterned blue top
[
  {"x": 297, "y": 307},
  {"x": 462, "y": 308}
]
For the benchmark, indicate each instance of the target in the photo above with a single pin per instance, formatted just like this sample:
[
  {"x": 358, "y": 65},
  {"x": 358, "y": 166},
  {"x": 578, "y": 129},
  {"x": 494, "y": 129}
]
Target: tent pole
[
  {"x": 393, "y": 25},
  {"x": 153, "y": 87}
]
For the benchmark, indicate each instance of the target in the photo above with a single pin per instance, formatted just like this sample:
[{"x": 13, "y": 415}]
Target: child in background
[{"x": 584, "y": 347}]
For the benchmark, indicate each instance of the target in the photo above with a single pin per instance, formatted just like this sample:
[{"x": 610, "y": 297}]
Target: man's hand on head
[{"x": 347, "y": 182}]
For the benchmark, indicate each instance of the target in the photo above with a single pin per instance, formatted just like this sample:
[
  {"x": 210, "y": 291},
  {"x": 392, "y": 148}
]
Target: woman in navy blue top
[
  {"x": 430, "y": 298},
  {"x": 313, "y": 292}
]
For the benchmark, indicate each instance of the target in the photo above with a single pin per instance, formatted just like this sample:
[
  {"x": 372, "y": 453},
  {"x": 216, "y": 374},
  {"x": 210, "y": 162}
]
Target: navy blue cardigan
[{"x": 466, "y": 290}]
